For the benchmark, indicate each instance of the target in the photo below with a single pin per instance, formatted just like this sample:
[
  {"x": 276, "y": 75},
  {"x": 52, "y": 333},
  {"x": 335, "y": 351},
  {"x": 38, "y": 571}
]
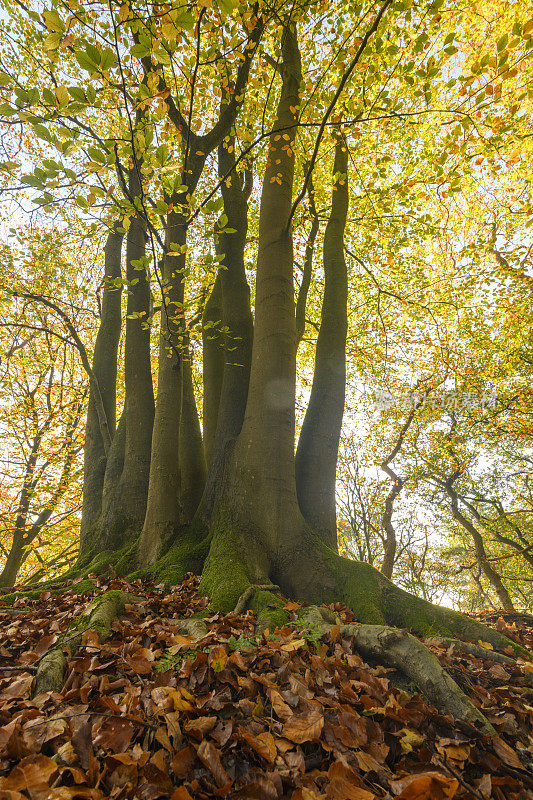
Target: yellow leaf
[
  {"x": 53, "y": 21},
  {"x": 410, "y": 739},
  {"x": 296, "y": 644},
  {"x": 61, "y": 94}
]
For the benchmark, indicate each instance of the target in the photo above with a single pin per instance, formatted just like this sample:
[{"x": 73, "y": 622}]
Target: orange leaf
[
  {"x": 304, "y": 727},
  {"x": 425, "y": 786}
]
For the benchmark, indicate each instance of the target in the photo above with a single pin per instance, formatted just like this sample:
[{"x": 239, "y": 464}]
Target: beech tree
[{"x": 235, "y": 500}]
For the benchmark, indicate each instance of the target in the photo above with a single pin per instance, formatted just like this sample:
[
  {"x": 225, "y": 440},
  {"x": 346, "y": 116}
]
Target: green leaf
[
  {"x": 162, "y": 155},
  {"x": 185, "y": 21},
  {"x": 108, "y": 60},
  {"x": 140, "y": 50},
  {"x": 52, "y": 41},
  {"x": 32, "y": 180},
  {"x": 85, "y": 61},
  {"x": 77, "y": 93},
  {"x": 97, "y": 155},
  {"x": 502, "y": 42},
  {"x": 53, "y": 21},
  {"x": 226, "y": 6},
  {"x": 93, "y": 53},
  {"x": 42, "y": 132}
]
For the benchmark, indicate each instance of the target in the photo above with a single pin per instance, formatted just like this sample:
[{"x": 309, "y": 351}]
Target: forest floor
[{"x": 153, "y": 713}]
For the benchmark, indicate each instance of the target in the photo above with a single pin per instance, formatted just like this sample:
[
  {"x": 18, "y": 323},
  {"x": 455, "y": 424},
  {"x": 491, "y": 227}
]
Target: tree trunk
[
  {"x": 307, "y": 272},
  {"x": 105, "y": 370},
  {"x": 316, "y": 456},
  {"x": 127, "y": 509},
  {"x": 481, "y": 556},
  {"x": 256, "y": 521},
  {"x": 164, "y": 510},
  {"x": 237, "y": 319},
  {"x": 390, "y": 544},
  {"x": 114, "y": 466},
  {"x": 9, "y": 573},
  {"x": 213, "y": 364},
  {"x": 191, "y": 449}
]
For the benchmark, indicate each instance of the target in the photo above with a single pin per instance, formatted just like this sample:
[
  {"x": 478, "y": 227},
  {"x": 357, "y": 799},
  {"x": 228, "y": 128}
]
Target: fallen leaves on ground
[{"x": 244, "y": 716}]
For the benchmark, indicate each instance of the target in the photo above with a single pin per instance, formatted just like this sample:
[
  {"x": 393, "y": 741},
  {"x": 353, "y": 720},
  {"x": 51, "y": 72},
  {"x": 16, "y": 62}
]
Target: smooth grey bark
[
  {"x": 164, "y": 509},
  {"x": 236, "y": 317},
  {"x": 105, "y": 370},
  {"x": 265, "y": 447},
  {"x": 316, "y": 455},
  {"x": 114, "y": 465},
  {"x": 212, "y": 363},
  {"x": 127, "y": 509},
  {"x": 191, "y": 449},
  {"x": 307, "y": 271}
]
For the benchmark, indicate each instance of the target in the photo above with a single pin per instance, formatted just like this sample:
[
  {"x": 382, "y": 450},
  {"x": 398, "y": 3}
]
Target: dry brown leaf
[
  {"x": 181, "y": 793},
  {"x": 200, "y": 726},
  {"x": 209, "y": 755},
  {"x": 294, "y": 644},
  {"x": 345, "y": 783},
  {"x": 217, "y": 658},
  {"x": 281, "y": 709},
  {"x": 183, "y": 761},
  {"x": 304, "y": 727},
  {"x": 263, "y": 744},
  {"x": 425, "y": 786},
  {"x": 506, "y": 753}
]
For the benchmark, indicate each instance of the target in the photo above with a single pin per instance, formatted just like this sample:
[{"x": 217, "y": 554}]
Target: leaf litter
[{"x": 153, "y": 713}]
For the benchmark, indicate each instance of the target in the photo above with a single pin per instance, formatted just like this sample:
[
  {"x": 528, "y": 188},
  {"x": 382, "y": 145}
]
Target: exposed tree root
[
  {"x": 50, "y": 672},
  {"x": 395, "y": 647},
  {"x": 472, "y": 649},
  {"x": 248, "y": 593},
  {"x": 324, "y": 577},
  {"x": 402, "y": 650},
  {"x": 192, "y": 626},
  {"x": 101, "y": 614},
  {"x": 510, "y": 616}
]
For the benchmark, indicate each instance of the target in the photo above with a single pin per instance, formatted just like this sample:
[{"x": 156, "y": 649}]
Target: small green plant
[
  {"x": 311, "y": 633},
  {"x": 171, "y": 660},
  {"x": 242, "y": 644}
]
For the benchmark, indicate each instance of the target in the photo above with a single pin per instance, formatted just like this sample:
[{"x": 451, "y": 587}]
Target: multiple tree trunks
[
  {"x": 105, "y": 371},
  {"x": 253, "y": 514},
  {"x": 316, "y": 456}
]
